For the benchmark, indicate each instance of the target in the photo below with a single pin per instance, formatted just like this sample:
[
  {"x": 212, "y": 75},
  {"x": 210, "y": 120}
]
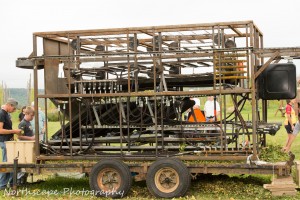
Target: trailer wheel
[
  {"x": 110, "y": 178},
  {"x": 168, "y": 178}
]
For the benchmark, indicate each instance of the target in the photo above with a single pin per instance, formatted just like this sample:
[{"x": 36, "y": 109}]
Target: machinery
[{"x": 122, "y": 94}]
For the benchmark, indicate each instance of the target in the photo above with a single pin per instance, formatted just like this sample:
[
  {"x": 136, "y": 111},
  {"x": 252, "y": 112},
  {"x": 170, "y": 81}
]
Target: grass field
[{"x": 205, "y": 187}]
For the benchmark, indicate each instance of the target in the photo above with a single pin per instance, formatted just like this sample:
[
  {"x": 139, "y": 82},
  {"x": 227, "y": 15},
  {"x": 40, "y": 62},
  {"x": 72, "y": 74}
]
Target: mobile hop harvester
[{"x": 121, "y": 96}]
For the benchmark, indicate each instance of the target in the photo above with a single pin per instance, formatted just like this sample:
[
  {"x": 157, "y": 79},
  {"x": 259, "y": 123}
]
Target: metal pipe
[{"x": 15, "y": 175}]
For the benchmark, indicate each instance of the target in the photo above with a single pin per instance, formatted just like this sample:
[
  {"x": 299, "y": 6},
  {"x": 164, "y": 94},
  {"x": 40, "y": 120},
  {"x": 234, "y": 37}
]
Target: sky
[{"x": 277, "y": 19}]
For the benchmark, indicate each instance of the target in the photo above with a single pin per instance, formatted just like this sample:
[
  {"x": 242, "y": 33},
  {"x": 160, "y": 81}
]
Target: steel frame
[{"x": 147, "y": 64}]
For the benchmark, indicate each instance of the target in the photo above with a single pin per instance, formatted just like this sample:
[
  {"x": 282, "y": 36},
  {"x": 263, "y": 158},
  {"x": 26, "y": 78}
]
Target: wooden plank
[
  {"x": 266, "y": 64},
  {"x": 236, "y": 31},
  {"x": 229, "y": 72},
  {"x": 168, "y": 28},
  {"x": 230, "y": 77},
  {"x": 228, "y": 61},
  {"x": 280, "y": 187},
  {"x": 283, "y": 179},
  {"x": 280, "y": 193},
  {"x": 230, "y": 67},
  {"x": 297, "y": 172}
]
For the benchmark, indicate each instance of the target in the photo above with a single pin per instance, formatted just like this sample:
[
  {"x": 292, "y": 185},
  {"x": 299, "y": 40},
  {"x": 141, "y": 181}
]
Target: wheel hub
[
  {"x": 109, "y": 179},
  {"x": 166, "y": 180}
]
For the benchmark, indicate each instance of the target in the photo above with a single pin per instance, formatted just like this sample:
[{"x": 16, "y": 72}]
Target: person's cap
[{"x": 12, "y": 102}]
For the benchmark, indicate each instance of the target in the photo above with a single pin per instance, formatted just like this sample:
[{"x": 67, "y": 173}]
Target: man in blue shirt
[{"x": 42, "y": 124}]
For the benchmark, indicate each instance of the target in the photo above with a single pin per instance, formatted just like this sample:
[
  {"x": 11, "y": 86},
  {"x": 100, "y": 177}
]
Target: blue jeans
[
  {"x": 210, "y": 119},
  {"x": 5, "y": 178}
]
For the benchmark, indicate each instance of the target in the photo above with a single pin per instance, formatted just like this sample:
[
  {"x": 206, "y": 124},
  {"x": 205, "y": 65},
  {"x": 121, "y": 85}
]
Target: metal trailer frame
[{"x": 153, "y": 60}]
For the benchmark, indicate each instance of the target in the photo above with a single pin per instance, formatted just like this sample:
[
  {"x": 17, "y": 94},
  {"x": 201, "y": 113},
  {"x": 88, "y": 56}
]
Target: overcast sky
[{"x": 277, "y": 19}]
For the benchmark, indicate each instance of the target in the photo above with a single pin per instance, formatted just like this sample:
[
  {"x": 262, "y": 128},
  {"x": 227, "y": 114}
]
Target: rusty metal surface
[{"x": 280, "y": 169}]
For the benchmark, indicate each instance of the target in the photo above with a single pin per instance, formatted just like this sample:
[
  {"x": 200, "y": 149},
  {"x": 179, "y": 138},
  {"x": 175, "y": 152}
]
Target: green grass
[{"x": 205, "y": 187}]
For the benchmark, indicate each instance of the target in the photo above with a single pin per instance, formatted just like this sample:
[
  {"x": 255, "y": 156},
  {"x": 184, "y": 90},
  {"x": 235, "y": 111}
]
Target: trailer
[{"x": 122, "y": 94}]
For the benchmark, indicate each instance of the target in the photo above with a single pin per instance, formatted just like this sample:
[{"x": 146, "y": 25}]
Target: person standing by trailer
[
  {"x": 26, "y": 126},
  {"x": 289, "y": 123},
  {"x": 195, "y": 114},
  {"x": 41, "y": 123},
  {"x": 211, "y": 109},
  {"x": 7, "y": 134},
  {"x": 193, "y": 104},
  {"x": 294, "y": 134},
  {"x": 27, "y": 134}
]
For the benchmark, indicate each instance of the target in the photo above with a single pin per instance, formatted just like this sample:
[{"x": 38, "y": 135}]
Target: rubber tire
[
  {"x": 123, "y": 171},
  {"x": 183, "y": 175}
]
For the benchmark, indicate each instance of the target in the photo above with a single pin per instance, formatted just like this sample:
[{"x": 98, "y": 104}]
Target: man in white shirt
[{"x": 211, "y": 109}]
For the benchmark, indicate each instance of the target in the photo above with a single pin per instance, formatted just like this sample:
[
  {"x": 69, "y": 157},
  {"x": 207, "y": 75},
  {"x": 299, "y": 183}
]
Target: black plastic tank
[{"x": 278, "y": 81}]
